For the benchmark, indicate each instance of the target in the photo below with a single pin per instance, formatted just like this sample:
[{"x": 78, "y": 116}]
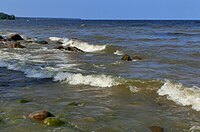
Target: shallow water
[{"x": 161, "y": 89}]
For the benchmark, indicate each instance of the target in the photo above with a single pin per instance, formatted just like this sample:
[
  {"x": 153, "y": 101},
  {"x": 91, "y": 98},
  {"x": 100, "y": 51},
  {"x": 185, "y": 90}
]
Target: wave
[
  {"x": 48, "y": 63},
  {"x": 118, "y": 52},
  {"x": 181, "y": 95},
  {"x": 84, "y": 46}
]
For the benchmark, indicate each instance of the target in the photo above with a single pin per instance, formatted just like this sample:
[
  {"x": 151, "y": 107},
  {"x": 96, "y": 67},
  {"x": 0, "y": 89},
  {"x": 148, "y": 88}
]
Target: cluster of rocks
[
  {"x": 45, "y": 116},
  {"x": 15, "y": 41}
]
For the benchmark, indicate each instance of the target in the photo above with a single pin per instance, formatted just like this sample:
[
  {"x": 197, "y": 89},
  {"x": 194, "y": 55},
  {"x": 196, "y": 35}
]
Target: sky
[{"x": 104, "y": 9}]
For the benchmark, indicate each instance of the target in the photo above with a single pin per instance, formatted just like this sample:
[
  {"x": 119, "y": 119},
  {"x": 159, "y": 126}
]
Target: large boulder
[
  {"x": 126, "y": 58},
  {"x": 40, "y": 115},
  {"x": 15, "y": 37},
  {"x": 15, "y": 45}
]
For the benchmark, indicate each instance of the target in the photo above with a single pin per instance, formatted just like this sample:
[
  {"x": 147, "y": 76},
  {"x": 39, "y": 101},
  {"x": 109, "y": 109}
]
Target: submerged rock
[
  {"x": 40, "y": 115},
  {"x": 74, "y": 49},
  {"x": 15, "y": 37},
  {"x": 53, "y": 121},
  {"x": 41, "y": 42},
  {"x": 2, "y": 121},
  {"x": 24, "y": 101},
  {"x": 126, "y": 58},
  {"x": 76, "y": 104},
  {"x": 156, "y": 129},
  {"x": 15, "y": 45},
  {"x": 135, "y": 57}
]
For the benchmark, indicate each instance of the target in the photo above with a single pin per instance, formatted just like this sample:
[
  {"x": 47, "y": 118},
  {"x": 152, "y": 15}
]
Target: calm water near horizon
[{"x": 162, "y": 89}]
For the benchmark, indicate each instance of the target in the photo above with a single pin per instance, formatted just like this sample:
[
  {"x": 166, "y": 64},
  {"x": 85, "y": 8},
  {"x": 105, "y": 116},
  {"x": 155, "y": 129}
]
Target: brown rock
[
  {"x": 15, "y": 45},
  {"x": 135, "y": 57},
  {"x": 156, "y": 129},
  {"x": 40, "y": 115},
  {"x": 74, "y": 49},
  {"x": 126, "y": 58},
  {"x": 15, "y": 37}
]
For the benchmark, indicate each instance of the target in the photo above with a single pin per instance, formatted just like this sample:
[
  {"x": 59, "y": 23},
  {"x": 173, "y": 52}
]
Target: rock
[
  {"x": 24, "y": 101},
  {"x": 74, "y": 49},
  {"x": 156, "y": 129},
  {"x": 1, "y": 37},
  {"x": 53, "y": 121},
  {"x": 59, "y": 47},
  {"x": 41, "y": 42},
  {"x": 135, "y": 57},
  {"x": 15, "y": 45},
  {"x": 126, "y": 58},
  {"x": 76, "y": 104},
  {"x": 15, "y": 37},
  {"x": 40, "y": 115},
  {"x": 2, "y": 121}
]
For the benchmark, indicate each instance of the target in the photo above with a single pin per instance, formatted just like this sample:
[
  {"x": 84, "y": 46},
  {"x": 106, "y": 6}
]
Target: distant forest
[{"x": 4, "y": 16}]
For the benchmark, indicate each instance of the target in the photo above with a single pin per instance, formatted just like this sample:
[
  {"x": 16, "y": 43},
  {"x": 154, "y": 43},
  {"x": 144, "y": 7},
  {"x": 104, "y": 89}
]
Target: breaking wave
[
  {"x": 181, "y": 95},
  {"x": 48, "y": 63},
  {"x": 84, "y": 46}
]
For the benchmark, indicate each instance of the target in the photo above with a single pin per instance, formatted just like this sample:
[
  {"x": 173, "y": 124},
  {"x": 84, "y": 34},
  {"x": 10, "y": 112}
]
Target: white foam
[
  {"x": 118, "y": 52},
  {"x": 92, "y": 80},
  {"x": 55, "y": 38},
  {"x": 49, "y": 63},
  {"x": 181, "y": 95}
]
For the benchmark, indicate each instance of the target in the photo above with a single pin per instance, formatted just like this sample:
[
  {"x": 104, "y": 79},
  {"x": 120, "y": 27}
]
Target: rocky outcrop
[
  {"x": 40, "y": 115},
  {"x": 14, "y": 45},
  {"x": 126, "y": 58},
  {"x": 15, "y": 37}
]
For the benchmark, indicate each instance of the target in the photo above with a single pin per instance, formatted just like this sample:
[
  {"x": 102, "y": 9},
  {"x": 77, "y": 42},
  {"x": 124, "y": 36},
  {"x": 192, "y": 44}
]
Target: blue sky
[{"x": 104, "y": 9}]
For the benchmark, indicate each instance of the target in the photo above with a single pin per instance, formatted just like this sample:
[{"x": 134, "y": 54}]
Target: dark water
[{"x": 161, "y": 89}]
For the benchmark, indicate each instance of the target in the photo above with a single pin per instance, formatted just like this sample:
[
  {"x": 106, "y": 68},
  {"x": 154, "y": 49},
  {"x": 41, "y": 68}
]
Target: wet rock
[
  {"x": 156, "y": 129},
  {"x": 15, "y": 37},
  {"x": 15, "y": 45},
  {"x": 135, "y": 57},
  {"x": 40, "y": 115},
  {"x": 59, "y": 47},
  {"x": 73, "y": 49},
  {"x": 41, "y": 42},
  {"x": 1, "y": 37},
  {"x": 126, "y": 58},
  {"x": 53, "y": 121},
  {"x": 23, "y": 101}
]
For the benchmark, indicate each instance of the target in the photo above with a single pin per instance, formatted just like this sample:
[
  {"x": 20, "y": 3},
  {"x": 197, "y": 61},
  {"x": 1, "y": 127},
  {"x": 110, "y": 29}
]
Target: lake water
[{"x": 162, "y": 89}]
